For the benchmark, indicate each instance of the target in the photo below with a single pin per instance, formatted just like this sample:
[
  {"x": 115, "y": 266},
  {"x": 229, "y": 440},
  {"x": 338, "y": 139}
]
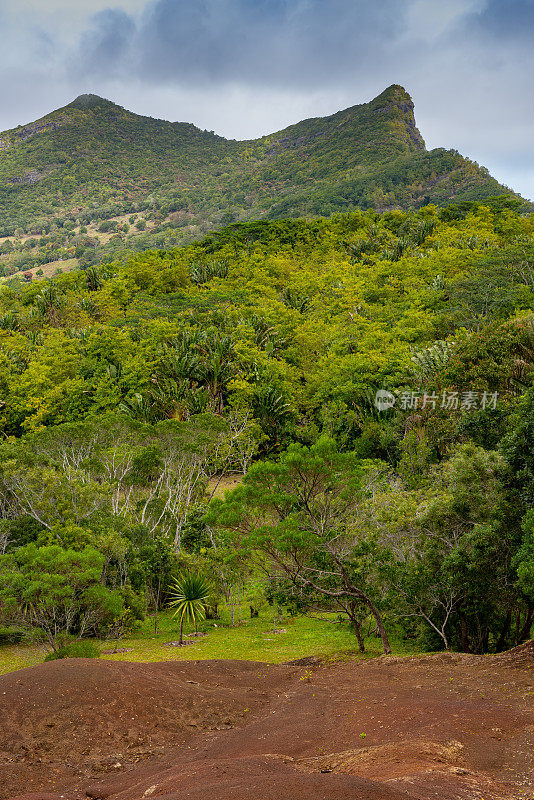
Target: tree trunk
[
  {"x": 481, "y": 643},
  {"x": 464, "y": 635},
  {"x": 181, "y": 638},
  {"x": 358, "y": 630},
  {"x": 525, "y": 630},
  {"x": 359, "y": 634},
  {"x": 517, "y": 626},
  {"x": 380, "y": 625},
  {"x": 504, "y": 633},
  {"x": 156, "y": 595}
]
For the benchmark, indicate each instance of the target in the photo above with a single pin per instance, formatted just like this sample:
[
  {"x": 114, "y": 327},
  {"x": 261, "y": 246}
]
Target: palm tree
[
  {"x": 93, "y": 279},
  {"x": 189, "y": 594}
]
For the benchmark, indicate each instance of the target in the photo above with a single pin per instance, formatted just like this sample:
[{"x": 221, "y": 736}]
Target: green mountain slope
[{"x": 92, "y": 160}]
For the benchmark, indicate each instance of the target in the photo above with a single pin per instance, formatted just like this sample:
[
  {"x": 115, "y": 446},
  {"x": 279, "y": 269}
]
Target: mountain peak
[
  {"x": 395, "y": 93},
  {"x": 89, "y": 101},
  {"x": 396, "y": 102},
  {"x": 104, "y": 162}
]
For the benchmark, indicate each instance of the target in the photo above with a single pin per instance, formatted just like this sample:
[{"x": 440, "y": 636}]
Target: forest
[{"x": 366, "y": 378}]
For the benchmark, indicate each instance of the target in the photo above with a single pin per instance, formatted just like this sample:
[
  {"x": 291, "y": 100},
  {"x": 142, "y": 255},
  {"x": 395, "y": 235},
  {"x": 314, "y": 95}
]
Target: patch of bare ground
[
  {"x": 48, "y": 270},
  {"x": 220, "y": 485},
  {"x": 447, "y": 726}
]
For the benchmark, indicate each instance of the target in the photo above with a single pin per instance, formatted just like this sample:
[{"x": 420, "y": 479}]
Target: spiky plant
[
  {"x": 431, "y": 360},
  {"x": 93, "y": 279},
  {"x": 189, "y": 595}
]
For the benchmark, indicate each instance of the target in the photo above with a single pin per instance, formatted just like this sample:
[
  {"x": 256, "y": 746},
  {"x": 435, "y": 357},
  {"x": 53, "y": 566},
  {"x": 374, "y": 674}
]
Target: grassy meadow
[{"x": 249, "y": 639}]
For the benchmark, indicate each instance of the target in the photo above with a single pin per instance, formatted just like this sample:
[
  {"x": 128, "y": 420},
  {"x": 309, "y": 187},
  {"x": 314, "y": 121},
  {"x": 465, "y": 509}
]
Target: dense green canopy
[{"x": 129, "y": 390}]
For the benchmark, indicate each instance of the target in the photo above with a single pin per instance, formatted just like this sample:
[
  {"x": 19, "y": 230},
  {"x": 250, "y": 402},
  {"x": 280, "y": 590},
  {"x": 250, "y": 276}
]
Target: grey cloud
[
  {"x": 102, "y": 48},
  {"x": 268, "y": 42},
  {"x": 506, "y": 19}
]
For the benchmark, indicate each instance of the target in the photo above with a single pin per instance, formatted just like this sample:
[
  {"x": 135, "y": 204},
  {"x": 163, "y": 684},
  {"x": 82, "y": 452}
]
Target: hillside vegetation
[
  {"x": 131, "y": 390},
  {"x": 92, "y": 179}
]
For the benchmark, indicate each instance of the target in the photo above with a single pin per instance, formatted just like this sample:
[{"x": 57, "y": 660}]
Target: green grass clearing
[{"x": 251, "y": 639}]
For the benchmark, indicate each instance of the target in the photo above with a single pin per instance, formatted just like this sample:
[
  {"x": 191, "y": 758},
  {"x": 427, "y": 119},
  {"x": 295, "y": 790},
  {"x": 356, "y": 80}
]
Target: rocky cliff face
[{"x": 395, "y": 101}]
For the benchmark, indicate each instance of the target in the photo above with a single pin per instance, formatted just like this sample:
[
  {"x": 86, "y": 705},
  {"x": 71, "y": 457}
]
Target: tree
[
  {"x": 157, "y": 563},
  {"x": 49, "y": 497},
  {"x": 453, "y": 554},
  {"x": 73, "y": 472},
  {"x": 523, "y": 563},
  {"x": 518, "y": 449},
  {"x": 58, "y": 592},
  {"x": 189, "y": 595},
  {"x": 302, "y": 513}
]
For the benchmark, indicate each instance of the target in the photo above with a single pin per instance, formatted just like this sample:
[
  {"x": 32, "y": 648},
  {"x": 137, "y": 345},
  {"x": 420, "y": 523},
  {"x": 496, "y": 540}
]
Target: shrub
[
  {"x": 189, "y": 595},
  {"x": 82, "y": 649},
  {"x": 108, "y": 225},
  {"x": 11, "y": 635},
  {"x": 58, "y": 591}
]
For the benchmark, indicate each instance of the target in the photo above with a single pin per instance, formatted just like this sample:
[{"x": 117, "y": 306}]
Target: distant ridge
[{"x": 94, "y": 157}]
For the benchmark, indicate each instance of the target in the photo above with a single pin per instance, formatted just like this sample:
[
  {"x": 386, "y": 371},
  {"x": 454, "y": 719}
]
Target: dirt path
[{"x": 446, "y": 726}]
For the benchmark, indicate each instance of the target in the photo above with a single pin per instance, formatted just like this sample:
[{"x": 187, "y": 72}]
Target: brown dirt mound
[
  {"x": 452, "y": 728},
  {"x": 270, "y": 777},
  {"x": 412, "y": 763},
  {"x": 520, "y": 656},
  {"x": 77, "y": 705},
  {"x": 391, "y": 759},
  {"x": 87, "y": 715}
]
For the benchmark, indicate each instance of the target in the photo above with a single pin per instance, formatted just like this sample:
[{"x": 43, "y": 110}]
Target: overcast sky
[{"x": 248, "y": 67}]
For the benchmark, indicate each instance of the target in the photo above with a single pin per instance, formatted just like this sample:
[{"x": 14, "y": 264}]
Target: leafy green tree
[
  {"x": 50, "y": 497},
  {"x": 518, "y": 449},
  {"x": 157, "y": 562},
  {"x": 57, "y": 592},
  {"x": 456, "y": 566},
  {"x": 302, "y": 513},
  {"x": 523, "y": 563}
]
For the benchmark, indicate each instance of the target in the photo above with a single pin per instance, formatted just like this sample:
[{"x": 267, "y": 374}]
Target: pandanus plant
[{"x": 189, "y": 595}]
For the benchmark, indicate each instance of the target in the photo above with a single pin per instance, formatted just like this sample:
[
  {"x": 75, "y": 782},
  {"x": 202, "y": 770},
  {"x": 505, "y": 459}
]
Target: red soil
[{"x": 446, "y": 726}]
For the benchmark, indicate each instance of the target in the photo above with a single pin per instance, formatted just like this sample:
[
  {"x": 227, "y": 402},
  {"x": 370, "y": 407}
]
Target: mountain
[{"x": 92, "y": 160}]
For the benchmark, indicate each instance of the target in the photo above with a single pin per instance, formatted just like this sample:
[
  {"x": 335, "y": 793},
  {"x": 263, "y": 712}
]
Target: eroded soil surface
[{"x": 446, "y": 726}]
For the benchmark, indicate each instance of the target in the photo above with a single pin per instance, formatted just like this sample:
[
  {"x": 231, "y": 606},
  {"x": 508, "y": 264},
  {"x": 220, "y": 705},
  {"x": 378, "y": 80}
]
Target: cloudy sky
[{"x": 248, "y": 67}]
